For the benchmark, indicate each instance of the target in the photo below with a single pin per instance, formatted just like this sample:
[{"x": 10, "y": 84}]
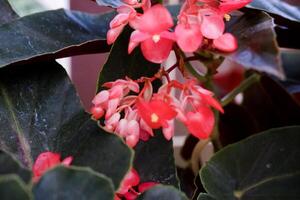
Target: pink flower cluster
[
  {"x": 134, "y": 117},
  {"x": 198, "y": 21}
]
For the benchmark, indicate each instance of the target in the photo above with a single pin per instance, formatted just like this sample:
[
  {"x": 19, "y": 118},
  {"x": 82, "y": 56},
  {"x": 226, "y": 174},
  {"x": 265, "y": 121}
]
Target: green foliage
[
  {"x": 73, "y": 183},
  {"x": 261, "y": 167}
]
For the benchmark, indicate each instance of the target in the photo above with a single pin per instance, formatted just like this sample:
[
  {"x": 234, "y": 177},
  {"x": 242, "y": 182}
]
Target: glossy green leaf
[
  {"x": 257, "y": 43},
  {"x": 286, "y": 8},
  {"x": 7, "y": 14},
  {"x": 13, "y": 188},
  {"x": 73, "y": 183},
  {"x": 264, "y": 166},
  {"x": 40, "y": 111},
  {"x": 52, "y": 34},
  {"x": 154, "y": 160},
  {"x": 10, "y": 165},
  {"x": 203, "y": 196},
  {"x": 161, "y": 192}
]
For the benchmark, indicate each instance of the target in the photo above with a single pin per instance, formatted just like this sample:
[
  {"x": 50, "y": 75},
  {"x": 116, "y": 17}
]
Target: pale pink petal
[
  {"x": 131, "y": 46},
  {"x": 145, "y": 127},
  {"x": 121, "y": 128},
  {"x": 226, "y": 43},
  {"x": 155, "y": 20},
  {"x": 156, "y": 52},
  {"x": 113, "y": 121},
  {"x": 119, "y": 20},
  {"x": 116, "y": 91},
  {"x": 189, "y": 37},
  {"x": 67, "y": 161},
  {"x": 138, "y": 36},
  {"x": 169, "y": 131},
  {"x": 132, "y": 140},
  {"x": 133, "y": 128},
  {"x": 212, "y": 24},
  {"x": 101, "y": 97},
  {"x": 112, "y": 107},
  {"x": 113, "y": 34}
]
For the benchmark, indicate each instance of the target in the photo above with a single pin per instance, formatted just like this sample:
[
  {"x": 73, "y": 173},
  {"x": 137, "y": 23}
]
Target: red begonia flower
[
  {"x": 46, "y": 161},
  {"x": 131, "y": 179},
  {"x": 152, "y": 32},
  {"x": 200, "y": 123},
  {"x": 155, "y": 113}
]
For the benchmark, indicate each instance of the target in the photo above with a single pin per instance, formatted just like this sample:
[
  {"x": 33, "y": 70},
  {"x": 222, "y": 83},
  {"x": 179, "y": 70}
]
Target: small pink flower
[
  {"x": 188, "y": 37},
  {"x": 226, "y": 43},
  {"x": 46, "y": 161},
  {"x": 152, "y": 32}
]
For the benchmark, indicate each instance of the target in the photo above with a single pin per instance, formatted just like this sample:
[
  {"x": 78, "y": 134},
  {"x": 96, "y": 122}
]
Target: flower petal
[
  {"x": 212, "y": 24},
  {"x": 156, "y": 52},
  {"x": 189, "y": 38},
  {"x": 226, "y": 43}
]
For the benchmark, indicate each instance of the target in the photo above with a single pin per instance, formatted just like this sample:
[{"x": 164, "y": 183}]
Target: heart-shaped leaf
[
  {"x": 161, "y": 192},
  {"x": 13, "y": 188},
  {"x": 73, "y": 183},
  {"x": 52, "y": 34},
  {"x": 257, "y": 48},
  {"x": 9, "y": 165},
  {"x": 40, "y": 111},
  {"x": 286, "y": 8},
  {"x": 264, "y": 166},
  {"x": 7, "y": 14},
  {"x": 154, "y": 160}
]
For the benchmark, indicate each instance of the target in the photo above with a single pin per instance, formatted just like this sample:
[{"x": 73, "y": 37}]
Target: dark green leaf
[
  {"x": 265, "y": 166},
  {"x": 40, "y": 111},
  {"x": 161, "y": 192},
  {"x": 121, "y": 64},
  {"x": 52, "y": 34},
  {"x": 7, "y": 14},
  {"x": 10, "y": 165},
  {"x": 13, "y": 188},
  {"x": 286, "y": 8},
  {"x": 73, "y": 183},
  {"x": 104, "y": 153},
  {"x": 203, "y": 196},
  {"x": 257, "y": 43},
  {"x": 154, "y": 160}
]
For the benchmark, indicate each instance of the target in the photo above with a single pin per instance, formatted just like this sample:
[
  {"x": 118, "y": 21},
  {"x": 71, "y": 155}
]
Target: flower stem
[{"x": 242, "y": 87}]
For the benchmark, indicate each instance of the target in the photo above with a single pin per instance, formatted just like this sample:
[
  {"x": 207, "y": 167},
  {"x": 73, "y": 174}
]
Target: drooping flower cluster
[
  {"x": 198, "y": 21},
  {"x": 134, "y": 117},
  {"x": 46, "y": 161},
  {"x": 131, "y": 181}
]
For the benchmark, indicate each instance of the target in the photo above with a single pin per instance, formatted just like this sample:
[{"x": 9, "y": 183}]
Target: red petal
[
  {"x": 200, "y": 123},
  {"x": 155, "y": 20},
  {"x": 44, "y": 162},
  {"x": 131, "y": 179},
  {"x": 230, "y": 5},
  {"x": 189, "y": 38},
  {"x": 226, "y": 43},
  {"x": 156, "y": 52}
]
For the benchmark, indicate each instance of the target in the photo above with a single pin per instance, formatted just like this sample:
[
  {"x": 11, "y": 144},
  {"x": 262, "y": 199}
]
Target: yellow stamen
[
  {"x": 156, "y": 38},
  {"x": 227, "y": 17},
  {"x": 154, "y": 118}
]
